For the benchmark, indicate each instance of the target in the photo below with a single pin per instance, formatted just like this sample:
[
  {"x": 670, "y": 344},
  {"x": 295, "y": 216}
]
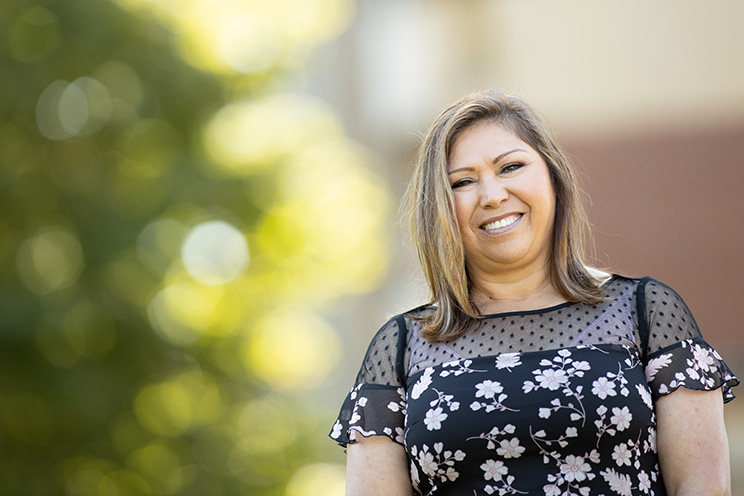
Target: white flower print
[
  {"x": 423, "y": 383},
  {"x": 655, "y": 364},
  {"x": 462, "y": 367},
  {"x": 550, "y": 378},
  {"x": 427, "y": 463},
  {"x": 400, "y": 406},
  {"x": 510, "y": 449},
  {"x": 620, "y": 483},
  {"x": 577, "y": 413},
  {"x": 574, "y": 468},
  {"x": 493, "y": 434},
  {"x": 582, "y": 365},
  {"x": 434, "y": 419},
  {"x": 552, "y": 490},
  {"x": 621, "y": 417},
  {"x": 399, "y": 434},
  {"x": 692, "y": 373},
  {"x": 644, "y": 483},
  {"x": 622, "y": 455},
  {"x": 488, "y": 389},
  {"x": 603, "y": 388},
  {"x": 603, "y": 428},
  {"x": 494, "y": 470},
  {"x": 650, "y": 443},
  {"x": 507, "y": 361},
  {"x": 336, "y": 432},
  {"x": 415, "y": 478},
  {"x": 645, "y": 395},
  {"x": 437, "y": 464},
  {"x": 703, "y": 358},
  {"x": 355, "y": 417}
]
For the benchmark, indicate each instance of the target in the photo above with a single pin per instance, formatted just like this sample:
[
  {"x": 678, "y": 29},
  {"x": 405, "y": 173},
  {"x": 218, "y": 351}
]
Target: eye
[
  {"x": 511, "y": 167},
  {"x": 461, "y": 182}
]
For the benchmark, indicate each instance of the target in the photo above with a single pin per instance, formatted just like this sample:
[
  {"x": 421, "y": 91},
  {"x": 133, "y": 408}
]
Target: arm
[
  {"x": 377, "y": 466},
  {"x": 692, "y": 444}
]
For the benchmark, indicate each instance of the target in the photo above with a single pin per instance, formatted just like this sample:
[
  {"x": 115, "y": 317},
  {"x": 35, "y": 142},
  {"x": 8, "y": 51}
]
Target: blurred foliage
[{"x": 173, "y": 226}]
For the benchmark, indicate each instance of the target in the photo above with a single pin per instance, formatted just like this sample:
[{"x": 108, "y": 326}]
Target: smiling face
[{"x": 504, "y": 201}]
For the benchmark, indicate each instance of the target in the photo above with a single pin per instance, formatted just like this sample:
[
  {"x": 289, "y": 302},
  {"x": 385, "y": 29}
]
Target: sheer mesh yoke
[
  {"x": 561, "y": 326},
  {"x": 664, "y": 316},
  {"x": 643, "y": 315}
]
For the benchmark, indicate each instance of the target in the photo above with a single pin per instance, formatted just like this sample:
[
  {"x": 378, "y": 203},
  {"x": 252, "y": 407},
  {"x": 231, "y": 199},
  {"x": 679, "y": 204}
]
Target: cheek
[{"x": 463, "y": 210}]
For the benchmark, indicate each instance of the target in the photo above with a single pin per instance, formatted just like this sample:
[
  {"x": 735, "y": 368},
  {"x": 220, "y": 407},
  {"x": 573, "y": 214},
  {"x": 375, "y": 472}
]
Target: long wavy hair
[{"x": 429, "y": 203}]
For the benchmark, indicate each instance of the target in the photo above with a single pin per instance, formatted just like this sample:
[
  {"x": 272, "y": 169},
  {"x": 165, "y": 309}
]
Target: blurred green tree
[{"x": 171, "y": 229}]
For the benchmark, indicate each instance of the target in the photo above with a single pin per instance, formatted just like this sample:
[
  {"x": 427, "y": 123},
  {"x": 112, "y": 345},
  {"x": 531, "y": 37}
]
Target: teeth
[{"x": 501, "y": 223}]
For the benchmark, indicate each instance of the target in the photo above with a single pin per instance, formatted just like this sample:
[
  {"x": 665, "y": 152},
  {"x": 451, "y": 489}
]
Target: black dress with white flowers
[{"x": 557, "y": 401}]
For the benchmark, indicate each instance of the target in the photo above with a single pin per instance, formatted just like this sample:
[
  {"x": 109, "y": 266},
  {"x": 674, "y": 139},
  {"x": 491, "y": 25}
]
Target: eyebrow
[{"x": 495, "y": 160}]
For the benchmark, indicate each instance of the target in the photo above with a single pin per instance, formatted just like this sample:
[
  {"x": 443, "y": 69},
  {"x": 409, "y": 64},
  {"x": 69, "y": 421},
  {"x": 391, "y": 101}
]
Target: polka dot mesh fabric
[
  {"x": 668, "y": 319},
  {"x": 393, "y": 355}
]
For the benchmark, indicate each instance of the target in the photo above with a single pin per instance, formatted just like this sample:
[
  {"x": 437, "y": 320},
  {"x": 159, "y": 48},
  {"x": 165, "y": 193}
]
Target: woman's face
[{"x": 504, "y": 201}]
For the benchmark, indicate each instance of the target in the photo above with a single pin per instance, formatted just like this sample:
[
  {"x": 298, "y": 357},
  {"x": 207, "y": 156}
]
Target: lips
[{"x": 501, "y": 223}]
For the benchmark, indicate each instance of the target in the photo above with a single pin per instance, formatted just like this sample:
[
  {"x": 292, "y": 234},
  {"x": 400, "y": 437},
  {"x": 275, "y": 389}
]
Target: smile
[{"x": 499, "y": 224}]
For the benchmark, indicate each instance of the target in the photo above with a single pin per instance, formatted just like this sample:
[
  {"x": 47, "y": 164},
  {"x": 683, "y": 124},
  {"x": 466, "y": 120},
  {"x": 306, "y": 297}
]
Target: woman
[{"x": 530, "y": 372}]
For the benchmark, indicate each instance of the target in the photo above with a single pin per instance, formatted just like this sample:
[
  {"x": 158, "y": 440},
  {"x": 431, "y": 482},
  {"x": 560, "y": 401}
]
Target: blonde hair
[{"x": 430, "y": 206}]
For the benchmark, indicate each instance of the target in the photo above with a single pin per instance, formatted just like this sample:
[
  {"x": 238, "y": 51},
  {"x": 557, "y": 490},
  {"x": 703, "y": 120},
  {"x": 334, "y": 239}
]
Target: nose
[{"x": 492, "y": 193}]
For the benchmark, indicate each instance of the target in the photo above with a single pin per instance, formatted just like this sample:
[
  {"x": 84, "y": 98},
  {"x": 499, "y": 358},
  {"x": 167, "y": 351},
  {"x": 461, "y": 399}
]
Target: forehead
[{"x": 485, "y": 141}]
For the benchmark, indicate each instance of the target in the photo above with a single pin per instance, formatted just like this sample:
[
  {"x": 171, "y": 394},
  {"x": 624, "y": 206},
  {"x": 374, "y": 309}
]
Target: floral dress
[{"x": 556, "y": 401}]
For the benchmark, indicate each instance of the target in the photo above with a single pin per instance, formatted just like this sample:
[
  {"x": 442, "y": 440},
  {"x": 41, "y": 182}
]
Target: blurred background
[{"x": 198, "y": 210}]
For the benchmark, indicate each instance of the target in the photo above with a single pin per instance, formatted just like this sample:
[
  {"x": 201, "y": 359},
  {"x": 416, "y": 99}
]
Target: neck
[{"x": 514, "y": 291}]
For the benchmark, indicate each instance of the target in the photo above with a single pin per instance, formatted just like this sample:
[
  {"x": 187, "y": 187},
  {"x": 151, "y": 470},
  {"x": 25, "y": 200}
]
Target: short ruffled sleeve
[
  {"x": 692, "y": 364},
  {"x": 675, "y": 353},
  {"x": 376, "y": 405}
]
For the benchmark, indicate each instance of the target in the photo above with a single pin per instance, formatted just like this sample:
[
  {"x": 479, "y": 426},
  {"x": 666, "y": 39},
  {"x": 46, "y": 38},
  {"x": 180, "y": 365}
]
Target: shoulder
[
  {"x": 408, "y": 317},
  {"x": 644, "y": 285},
  {"x": 655, "y": 292},
  {"x": 397, "y": 328}
]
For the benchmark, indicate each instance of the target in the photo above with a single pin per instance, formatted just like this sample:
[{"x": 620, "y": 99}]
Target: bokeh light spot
[
  {"x": 79, "y": 108},
  {"x": 49, "y": 261},
  {"x": 150, "y": 149},
  {"x": 34, "y": 36},
  {"x": 73, "y": 110},
  {"x": 331, "y": 213},
  {"x": 159, "y": 244},
  {"x": 232, "y": 36},
  {"x": 174, "y": 406},
  {"x": 265, "y": 425},
  {"x": 123, "y": 483},
  {"x": 125, "y": 88},
  {"x": 292, "y": 350},
  {"x": 84, "y": 330},
  {"x": 183, "y": 312},
  {"x": 85, "y": 476},
  {"x": 319, "y": 478},
  {"x": 214, "y": 253},
  {"x": 193, "y": 480},
  {"x": 250, "y": 135},
  {"x": 156, "y": 462},
  {"x": 249, "y": 43}
]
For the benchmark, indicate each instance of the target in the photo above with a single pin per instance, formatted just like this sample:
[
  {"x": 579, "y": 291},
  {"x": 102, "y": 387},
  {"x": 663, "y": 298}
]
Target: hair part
[{"x": 430, "y": 205}]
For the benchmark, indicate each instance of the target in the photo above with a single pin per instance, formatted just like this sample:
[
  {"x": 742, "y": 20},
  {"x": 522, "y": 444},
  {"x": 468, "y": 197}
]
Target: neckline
[
  {"x": 529, "y": 312},
  {"x": 613, "y": 277}
]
